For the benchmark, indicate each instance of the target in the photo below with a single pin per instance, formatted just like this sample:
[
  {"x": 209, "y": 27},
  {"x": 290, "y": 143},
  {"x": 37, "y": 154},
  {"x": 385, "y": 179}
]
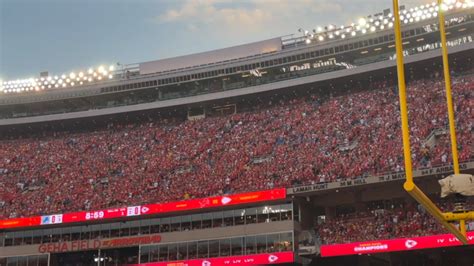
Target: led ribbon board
[
  {"x": 400, "y": 244},
  {"x": 147, "y": 209}
]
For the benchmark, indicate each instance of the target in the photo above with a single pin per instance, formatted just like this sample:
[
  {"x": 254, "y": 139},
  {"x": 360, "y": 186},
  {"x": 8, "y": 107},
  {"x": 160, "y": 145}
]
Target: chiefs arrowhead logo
[
  {"x": 145, "y": 209},
  {"x": 225, "y": 200},
  {"x": 410, "y": 243},
  {"x": 206, "y": 263},
  {"x": 272, "y": 258}
]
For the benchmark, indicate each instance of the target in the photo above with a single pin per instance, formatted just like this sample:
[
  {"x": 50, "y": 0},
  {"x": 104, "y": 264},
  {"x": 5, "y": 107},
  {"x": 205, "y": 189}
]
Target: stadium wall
[
  {"x": 203, "y": 234},
  {"x": 205, "y": 58}
]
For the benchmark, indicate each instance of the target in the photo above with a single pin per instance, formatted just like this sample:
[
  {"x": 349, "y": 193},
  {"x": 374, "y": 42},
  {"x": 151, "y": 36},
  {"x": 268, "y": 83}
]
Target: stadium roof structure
[{"x": 320, "y": 35}]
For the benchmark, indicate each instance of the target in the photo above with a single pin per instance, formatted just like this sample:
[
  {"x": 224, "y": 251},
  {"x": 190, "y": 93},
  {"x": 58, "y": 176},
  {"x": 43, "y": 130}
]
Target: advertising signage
[
  {"x": 258, "y": 259},
  {"x": 81, "y": 245},
  {"x": 147, "y": 209},
  {"x": 400, "y": 244}
]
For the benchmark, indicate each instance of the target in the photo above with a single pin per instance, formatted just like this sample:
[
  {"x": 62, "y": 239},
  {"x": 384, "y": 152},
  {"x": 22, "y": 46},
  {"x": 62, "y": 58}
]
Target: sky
[{"x": 61, "y": 36}]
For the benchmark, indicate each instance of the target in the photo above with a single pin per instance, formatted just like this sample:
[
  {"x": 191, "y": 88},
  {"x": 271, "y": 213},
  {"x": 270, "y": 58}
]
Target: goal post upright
[
  {"x": 447, "y": 81},
  {"x": 409, "y": 184}
]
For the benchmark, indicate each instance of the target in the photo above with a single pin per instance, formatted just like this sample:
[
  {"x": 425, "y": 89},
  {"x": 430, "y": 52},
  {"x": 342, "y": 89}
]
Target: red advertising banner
[
  {"x": 400, "y": 244},
  {"x": 259, "y": 259},
  {"x": 211, "y": 202}
]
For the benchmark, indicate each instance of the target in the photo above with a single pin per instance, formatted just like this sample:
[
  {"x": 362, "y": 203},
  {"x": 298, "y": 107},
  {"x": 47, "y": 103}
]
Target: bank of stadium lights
[
  {"x": 372, "y": 24},
  {"x": 65, "y": 80}
]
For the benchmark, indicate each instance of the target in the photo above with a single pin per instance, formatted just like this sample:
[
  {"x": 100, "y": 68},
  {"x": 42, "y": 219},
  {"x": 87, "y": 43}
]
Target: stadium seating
[
  {"x": 384, "y": 223},
  {"x": 306, "y": 140}
]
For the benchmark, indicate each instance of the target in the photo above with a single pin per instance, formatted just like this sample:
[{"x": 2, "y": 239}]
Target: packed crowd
[
  {"x": 400, "y": 221},
  {"x": 313, "y": 139}
]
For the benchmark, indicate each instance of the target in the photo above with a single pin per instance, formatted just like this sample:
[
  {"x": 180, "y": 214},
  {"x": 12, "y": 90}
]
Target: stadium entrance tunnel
[
  {"x": 105, "y": 257},
  {"x": 459, "y": 256}
]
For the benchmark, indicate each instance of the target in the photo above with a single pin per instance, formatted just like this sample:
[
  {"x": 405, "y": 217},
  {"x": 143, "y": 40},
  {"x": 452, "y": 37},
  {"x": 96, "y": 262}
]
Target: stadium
[{"x": 284, "y": 151}]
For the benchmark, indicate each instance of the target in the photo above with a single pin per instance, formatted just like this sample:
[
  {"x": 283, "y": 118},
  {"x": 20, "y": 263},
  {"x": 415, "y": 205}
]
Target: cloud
[{"x": 250, "y": 15}]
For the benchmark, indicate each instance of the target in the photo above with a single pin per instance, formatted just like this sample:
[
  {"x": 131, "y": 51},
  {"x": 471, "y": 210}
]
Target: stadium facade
[{"x": 274, "y": 226}]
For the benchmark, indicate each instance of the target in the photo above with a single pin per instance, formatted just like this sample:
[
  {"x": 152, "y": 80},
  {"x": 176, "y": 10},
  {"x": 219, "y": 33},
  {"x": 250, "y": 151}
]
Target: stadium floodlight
[
  {"x": 337, "y": 33},
  {"x": 382, "y": 27},
  {"x": 63, "y": 76},
  {"x": 331, "y": 36},
  {"x": 81, "y": 74},
  {"x": 72, "y": 75},
  {"x": 308, "y": 41},
  {"x": 362, "y": 22},
  {"x": 364, "y": 31},
  {"x": 111, "y": 68},
  {"x": 319, "y": 29},
  {"x": 343, "y": 36},
  {"x": 353, "y": 33},
  {"x": 372, "y": 29},
  {"x": 101, "y": 68},
  {"x": 111, "y": 76},
  {"x": 321, "y": 38}
]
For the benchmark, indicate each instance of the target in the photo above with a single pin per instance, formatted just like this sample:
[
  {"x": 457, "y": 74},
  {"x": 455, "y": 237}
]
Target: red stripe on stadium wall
[
  {"x": 258, "y": 259},
  {"x": 139, "y": 210},
  {"x": 400, "y": 244}
]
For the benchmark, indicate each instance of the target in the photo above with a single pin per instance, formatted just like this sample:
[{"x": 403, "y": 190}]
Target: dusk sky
[{"x": 60, "y": 36}]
